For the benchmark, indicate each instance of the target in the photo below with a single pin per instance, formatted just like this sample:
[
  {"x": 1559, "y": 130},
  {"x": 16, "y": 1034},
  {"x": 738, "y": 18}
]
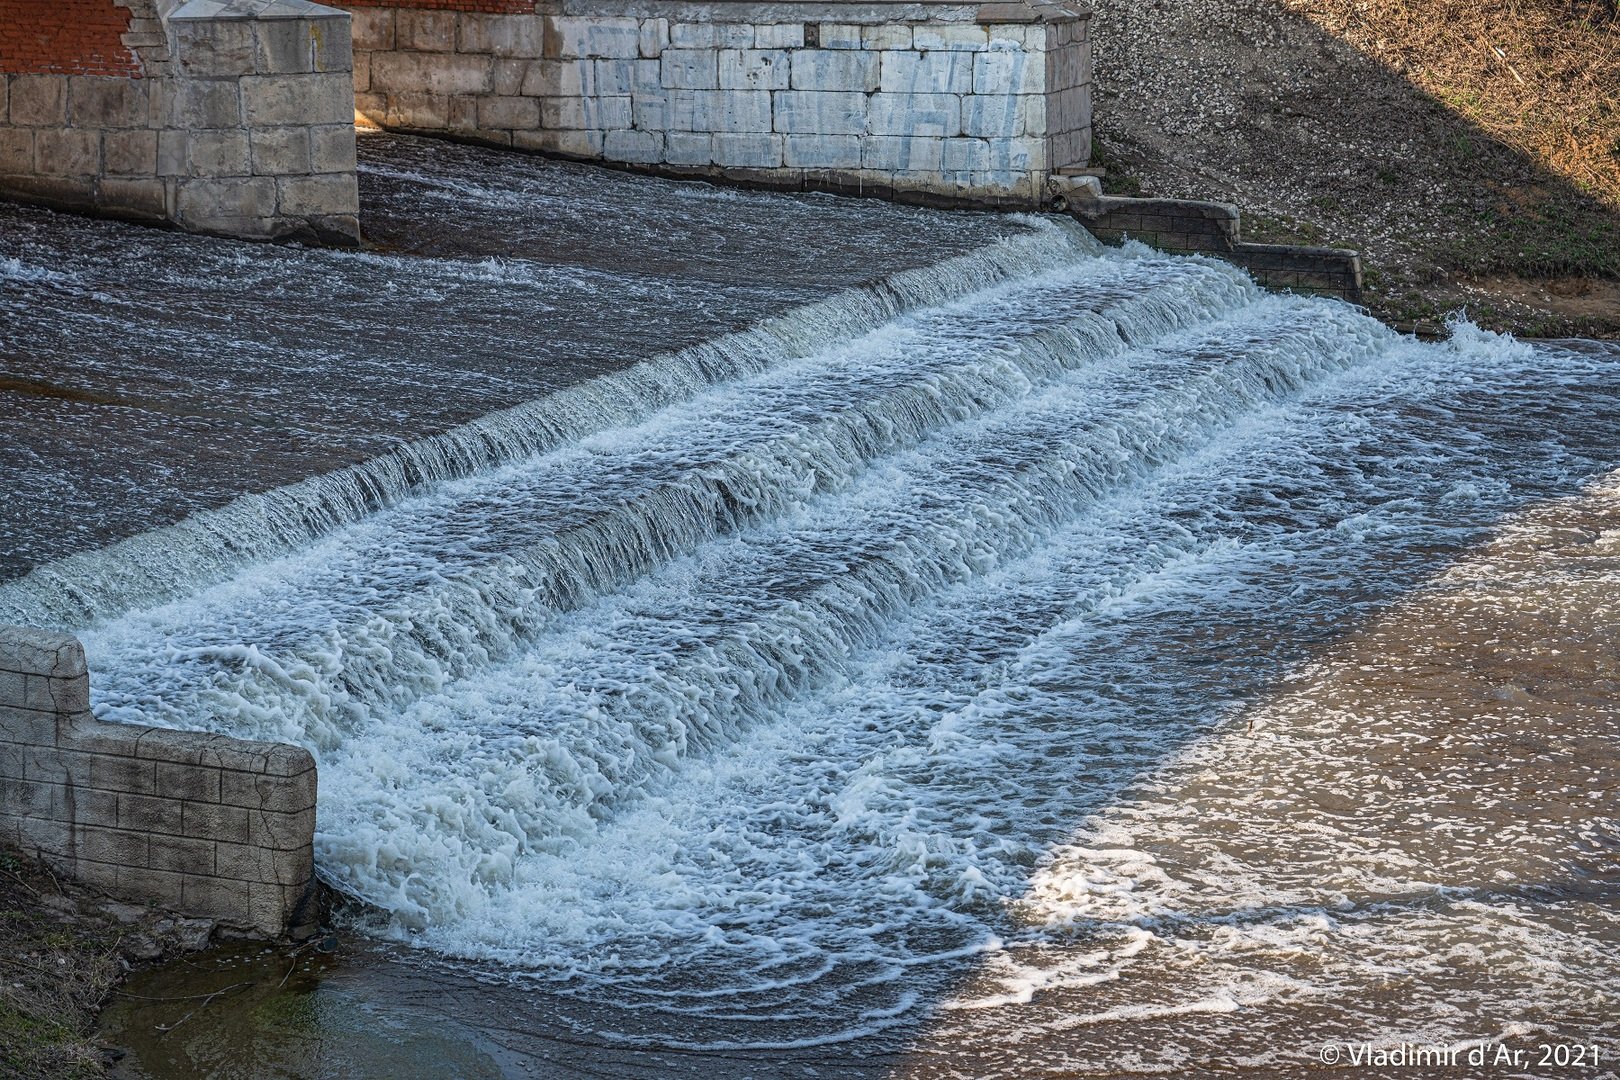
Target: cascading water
[{"x": 754, "y": 697}]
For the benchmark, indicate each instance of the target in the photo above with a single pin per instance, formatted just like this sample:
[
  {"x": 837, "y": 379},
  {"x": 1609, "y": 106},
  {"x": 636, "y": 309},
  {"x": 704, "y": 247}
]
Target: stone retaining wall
[
  {"x": 237, "y": 120},
  {"x": 954, "y": 103},
  {"x": 1186, "y": 226},
  {"x": 200, "y": 824}
]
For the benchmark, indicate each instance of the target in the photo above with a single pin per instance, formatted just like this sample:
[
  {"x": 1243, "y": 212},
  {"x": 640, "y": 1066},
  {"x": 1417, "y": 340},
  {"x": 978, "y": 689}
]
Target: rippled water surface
[{"x": 1056, "y": 660}]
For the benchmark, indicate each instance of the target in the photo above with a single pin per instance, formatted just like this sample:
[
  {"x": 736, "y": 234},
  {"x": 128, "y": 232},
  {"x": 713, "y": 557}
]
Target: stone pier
[
  {"x": 199, "y": 824},
  {"x": 232, "y": 117}
]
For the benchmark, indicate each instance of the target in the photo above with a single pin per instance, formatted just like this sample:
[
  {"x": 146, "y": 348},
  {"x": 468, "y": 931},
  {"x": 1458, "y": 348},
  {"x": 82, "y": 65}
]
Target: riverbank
[
  {"x": 1471, "y": 153},
  {"x": 64, "y": 951}
]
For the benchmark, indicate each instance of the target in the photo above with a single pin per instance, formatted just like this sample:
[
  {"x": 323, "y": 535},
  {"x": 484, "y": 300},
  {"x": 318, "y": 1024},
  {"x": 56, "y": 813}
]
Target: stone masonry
[
  {"x": 232, "y": 117},
  {"x": 200, "y": 824},
  {"x": 955, "y": 103}
]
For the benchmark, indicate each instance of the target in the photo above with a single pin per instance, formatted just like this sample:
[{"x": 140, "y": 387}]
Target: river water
[{"x": 1047, "y": 661}]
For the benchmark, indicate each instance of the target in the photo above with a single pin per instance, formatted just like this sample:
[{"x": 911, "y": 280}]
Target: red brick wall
[
  {"x": 71, "y": 37},
  {"x": 498, "y": 7}
]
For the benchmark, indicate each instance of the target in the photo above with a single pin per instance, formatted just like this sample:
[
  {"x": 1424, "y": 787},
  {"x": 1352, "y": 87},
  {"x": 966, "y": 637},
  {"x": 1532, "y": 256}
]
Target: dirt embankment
[
  {"x": 63, "y": 951},
  {"x": 1470, "y": 150}
]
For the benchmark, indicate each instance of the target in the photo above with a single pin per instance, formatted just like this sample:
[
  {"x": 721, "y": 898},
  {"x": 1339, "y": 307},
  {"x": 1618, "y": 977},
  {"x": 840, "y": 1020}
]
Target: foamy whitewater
[{"x": 855, "y": 683}]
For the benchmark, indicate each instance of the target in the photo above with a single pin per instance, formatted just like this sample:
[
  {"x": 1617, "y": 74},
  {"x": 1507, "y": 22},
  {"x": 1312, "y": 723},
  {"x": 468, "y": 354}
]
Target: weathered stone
[
  {"x": 200, "y": 104},
  {"x": 65, "y": 153},
  {"x": 16, "y": 151},
  {"x": 748, "y": 150},
  {"x": 754, "y": 69},
  {"x": 956, "y": 36},
  {"x": 822, "y": 152},
  {"x": 688, "y": 148},
  {"x": 579, "y": 144},
  {"x": 220, "y": 153},
  {"x": 304, "y": 196},
  {"x": 419, "y": 73},
  {"x": 900, "y": 152},
  {"x": 997, "y": 116},
  {"x": 214, "y": 48},
  {"x": 502, "y": 35},
  {"x": 816, "y": 113},
  {"x": 689, "y": 69},
  {"x": 425, "y": 31},
  {"x": 372, "y": 29},
  {"x": 653, "y": 37},
  {"x": 633, "y": 146},
  {"x": 570, "y": 36},
  {"x": 834, "y": 70},
  {"x": 927, "y": 73},
  {"x": 95, "y": 102},
  {"x": 711, "y": 35},
  {"x": 839, "y": 36},
  {"x": 332, "y": 148},
  {"x": 880, "y": 38},
  {"x": 779, "y": 36},
  {"x": 270, "y": 100},
  {"x": 520, "y": 113},
  {"x": 280, "y": 150},
  {"x": 38, "y": 100},
  {"x": 129, "y": 153},
  {"x": 937, "y": 115}
]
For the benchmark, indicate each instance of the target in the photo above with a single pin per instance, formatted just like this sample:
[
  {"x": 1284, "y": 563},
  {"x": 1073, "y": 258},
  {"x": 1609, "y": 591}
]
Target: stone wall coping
[
  {"x": 253, "y": 9},
  {"x": 28, "y": 650}
]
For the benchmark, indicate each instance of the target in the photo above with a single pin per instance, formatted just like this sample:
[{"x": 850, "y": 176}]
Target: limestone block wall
[
  {"x": 222, "y": 116},
  {"x": 960, "y": 103},
  {"x": 200, "y": 824}
]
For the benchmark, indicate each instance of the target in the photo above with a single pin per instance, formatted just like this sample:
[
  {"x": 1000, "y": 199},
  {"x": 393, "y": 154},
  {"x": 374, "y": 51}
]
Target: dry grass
[{"x": 1541, "y": 76}]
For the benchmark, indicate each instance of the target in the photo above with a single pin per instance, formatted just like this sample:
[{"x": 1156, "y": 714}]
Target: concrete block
[
  {"x": 270, "y": 100},
  {"x": 839, "y": 36},
  {"x": 753, "y": 69},
  {"x": 147, "y": 813},
  {"x": 214, "y": 897},
  {"x": 633, "y": 146},
  {"x": 688, "y": 148},
  {"x": 653, "y": 37},
  {"x": 997, "y": 116},
  {"x": 779, "y": 36},
  {"x": 27, "y": 798},
  {"x": 243, "y": 862},
  {"x": 29, "y": 727},
  {"x": 16, "y": 155},
  {"x": 129, "y": 153},
  {"x": 911, "y": 153},
  {"x": 46, "y": 835},
  {"x": 14, "y": 684},
  {"x": 689, "y": 69},
  {"x": 510, "y": 113},
  {"x": 120, "y": 847},
  {"x": 418, "y": 73},
  {"x": 961, "y": 37},
  {"x": 293, "y": 867},
  {"x": 210, "y": 821},
  {"x": 372, "y": 29},
  {"x": 578, "y": 144},
  {"x": 200, "y": 104},
  {"x": 84, "y": 806},
  {"x": 807, "y": 112},
  {"x": 570, "y": 36},
  {"x": 64, "y": 153},
  {"x": 309, "y": 196},
  {"x": 281, "y": 832},
  {"x": 180, "y": 854},
  {"x": 107, "y": 102},
  {"x": 102, "y": 876},
  {"x": 332, "y": 148},
  {"x": 1009, "y": 73},
  {"x": 70, "y": 695},
  {"x": 835, "y": 70},
  {"x": 927, "y": 73},
  {"x": 425, "y": 31},
  {"x": 180, "y": 781},
  {"x": 937, "y": 115},
  {"x": 11, "y": 758},
  {"x": 220, "y": 153},
  {"x": 711, "y": 35},
  {"x": 33, "y": 651},
  {"x": 502, "y": 35},
  {"x": 154, "y": 886},
  {"x": 271, "y": 905},
  {"x": 108, "y": 773},
  {"x": 255, "y": 791}
]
